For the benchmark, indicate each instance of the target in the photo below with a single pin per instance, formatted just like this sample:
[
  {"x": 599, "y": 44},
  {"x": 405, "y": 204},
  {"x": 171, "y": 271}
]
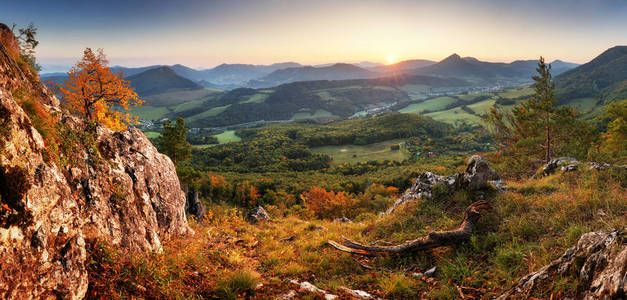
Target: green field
[
  {"x": 434, "y": 104},
  {"x": 453, "y": 115},
  {"x": 152, "y": 134},
  {"x": 362, "y": 153},
  {"x": 256, "y": 98},
  {"x": 209, "y": 113},
  {"x": 470, "y": 97},
  {"x": 188, "y": 105},
  {"x": 176, "y": 97},
  {"x": 147, "y": 112},
  {"x": 583, "y": 105},
  {"x": 227, "y": 136},
  {"x": 320, "y": 113},
  {"x": 483, "y": 106},
  {"x": 515, "y": 93}
]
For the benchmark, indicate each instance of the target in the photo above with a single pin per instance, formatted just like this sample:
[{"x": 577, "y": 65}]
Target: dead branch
[{"x": 432, "y": 240}]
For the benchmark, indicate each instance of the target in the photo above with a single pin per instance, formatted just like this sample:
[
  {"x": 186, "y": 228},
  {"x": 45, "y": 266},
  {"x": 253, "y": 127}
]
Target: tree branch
[{"x": 432, "y": 240}]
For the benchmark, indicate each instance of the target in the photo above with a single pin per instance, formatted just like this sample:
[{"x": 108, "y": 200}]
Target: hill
[
  {"x": 338, "y": 71},
  {"x": 160, "y": 80},
  {"x": 403, "y": 66},
  {"x": 310, "y": 100},
  {"x": 472, "y": 68},
  {"x": 604, "y": 78}
]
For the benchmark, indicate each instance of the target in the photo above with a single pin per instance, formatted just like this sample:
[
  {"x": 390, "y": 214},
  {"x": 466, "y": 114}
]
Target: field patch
[
  {"x": 227, "y": 136},
  {"x": 453, "y": 116},
  {"x": 434, "y": 104},
  {"x": 362, "y": 153},
  {"x": 515, "y": 93},
  {"x": 148, "y": 112},
  {"x": 152, "y": 134},
  {"x": 482, "y": 107},
  {"x": 583, "y": 105},
  {"x": 209, "y": 113},
  {"x": 256, "y": 98},
  {"x": 320, "y": 113}
]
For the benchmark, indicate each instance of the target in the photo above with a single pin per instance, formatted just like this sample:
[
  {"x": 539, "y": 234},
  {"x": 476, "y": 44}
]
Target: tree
[
  {"x": 614, "y": 141},
  {"x": 538, "y": 127},
  {"x": 27, "y": 42},
  {"x": 173, "y": 141},
  {"x": 97, "y": 94}
]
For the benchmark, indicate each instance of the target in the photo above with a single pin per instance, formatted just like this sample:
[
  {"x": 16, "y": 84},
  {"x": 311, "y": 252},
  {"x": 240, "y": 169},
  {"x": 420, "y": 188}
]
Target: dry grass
[{"x": 528, "y": 228}]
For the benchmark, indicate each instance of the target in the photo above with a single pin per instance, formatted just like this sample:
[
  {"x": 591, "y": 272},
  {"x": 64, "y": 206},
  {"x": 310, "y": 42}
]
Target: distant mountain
[
  {"x": 338, "y": 71},
  {"x": 403, "y": 66},
  {"x": 470, "y": 67},
  {"x": 160, "y": 80},
  {"x": 310, "y": 100}
]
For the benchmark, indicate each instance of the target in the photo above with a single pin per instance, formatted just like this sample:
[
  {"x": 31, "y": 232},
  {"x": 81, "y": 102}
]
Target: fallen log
[{"x": 432, "y": 240}]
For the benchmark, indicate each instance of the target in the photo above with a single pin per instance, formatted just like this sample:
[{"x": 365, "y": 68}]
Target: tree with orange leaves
[{"x": 97, "y": 94}]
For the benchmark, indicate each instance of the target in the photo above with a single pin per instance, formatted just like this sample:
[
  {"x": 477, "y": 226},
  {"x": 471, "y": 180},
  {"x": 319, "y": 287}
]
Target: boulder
[
  {"x": 342, "y": 220},
  {"x": 557, "y": 163},
  {"x": 194, "y": 206},
  {"x": 115, "y": 188},
  {"x": 598, "y": 263},
  {"x": 257, "y": 215},
  {"x": 478, "y": 175}
]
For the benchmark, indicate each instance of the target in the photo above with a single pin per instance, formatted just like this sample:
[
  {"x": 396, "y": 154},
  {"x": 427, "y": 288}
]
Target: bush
[{"x": 236, "y": 283}]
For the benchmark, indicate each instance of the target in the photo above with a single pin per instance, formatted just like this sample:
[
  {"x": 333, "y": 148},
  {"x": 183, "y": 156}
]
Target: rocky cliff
[{"x": 65, "y": 184}]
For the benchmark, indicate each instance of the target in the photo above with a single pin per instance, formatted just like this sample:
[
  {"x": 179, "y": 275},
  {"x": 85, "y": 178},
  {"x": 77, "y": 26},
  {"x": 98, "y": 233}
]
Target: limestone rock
[
  {"x": 257, "y": 215},
  {"x": 557, "y": 163},
  {"x": 477, "y": 176},
  {"x": 194, "y": 206},
  {"x": 119, "y": 190},
  {"x": 598, "y": 262}
]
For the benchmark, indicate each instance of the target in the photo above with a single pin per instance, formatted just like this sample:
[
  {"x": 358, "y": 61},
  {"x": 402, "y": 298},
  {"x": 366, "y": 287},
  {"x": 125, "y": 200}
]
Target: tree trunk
[{"x": 433, "y": 240}]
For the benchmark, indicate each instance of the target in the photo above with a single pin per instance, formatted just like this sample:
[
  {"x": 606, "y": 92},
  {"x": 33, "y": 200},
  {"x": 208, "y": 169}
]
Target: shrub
[
  {"x": 236, "y": 283},
  {"x": 328, "y": 204}
]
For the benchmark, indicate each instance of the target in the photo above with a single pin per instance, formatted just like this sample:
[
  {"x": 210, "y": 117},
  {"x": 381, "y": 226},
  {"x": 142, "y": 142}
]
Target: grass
[
  {"x": 483, "y": 106},
  {"x": 453, "y": 116},
  {"x": 152, "y": 134},
  {"x": 434, "y": 104},
  {"x": 518, "y": 92},
  {"x": 320, "y": 113},
  {"x": 228, "y": 136},
  {"x": 172, "y": 98},
  {"x": 362, "y": 153},
  {"x": 208, "y": 113},
  {"x": 148, "y": 112},
  {"x": 583, "y": 105},
  {"x": 522, "y": 233},
  {"x": 256, "y": 98},
  {"x": 188, "y": 106}
]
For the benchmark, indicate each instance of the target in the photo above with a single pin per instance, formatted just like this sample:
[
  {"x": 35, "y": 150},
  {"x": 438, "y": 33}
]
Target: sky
[{"x": 203, "y": 34}]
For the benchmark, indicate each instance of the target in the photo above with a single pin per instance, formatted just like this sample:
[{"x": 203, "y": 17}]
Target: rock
[
  {"x": 291, "y": 294},
  {"x": 597, "y": 263},
  {"x": 597, "y": 166},
  {"x": 119, "y": 190},
  {"x": 499, "y": 185},
  {"x": 478, "y": 173},
  {"x": 343, "y": 220},
  {"x": 430, "y": 272},
  {"x": 258, "y": 214},
  {"x": 556, "y": 163},
  {"x": 569, "y": 168},
  {"x": 356, "y": 294},
  {"x": 194, "y": 206},
  {"x": 306, "y": 287},
  {"x": 476, "y": 177}
]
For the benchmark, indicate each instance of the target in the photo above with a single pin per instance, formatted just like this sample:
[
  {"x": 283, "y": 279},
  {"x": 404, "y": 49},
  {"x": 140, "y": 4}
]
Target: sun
[{"x": 391, "y": 59}]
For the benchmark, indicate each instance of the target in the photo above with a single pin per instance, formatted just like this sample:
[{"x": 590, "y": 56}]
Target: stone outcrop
[
  {"x": 598, "y": 263},
  {"x": 194, "y": 206},
  {"x": 258, "y": 215},
  {"x": 114, "y": 187},
  {"x": 478, "y": 175}
]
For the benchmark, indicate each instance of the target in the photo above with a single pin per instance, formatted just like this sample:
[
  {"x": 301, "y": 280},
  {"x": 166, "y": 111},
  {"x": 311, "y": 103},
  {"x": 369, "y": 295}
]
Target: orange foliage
[
  {"x": 94, "y": 92},
  {"x": 328, "y": 204},
  {"x": 247, "y": 194}
]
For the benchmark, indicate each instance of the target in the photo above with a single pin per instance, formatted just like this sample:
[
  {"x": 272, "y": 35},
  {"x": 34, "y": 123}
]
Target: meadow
[{"x": 362, "y": 153}]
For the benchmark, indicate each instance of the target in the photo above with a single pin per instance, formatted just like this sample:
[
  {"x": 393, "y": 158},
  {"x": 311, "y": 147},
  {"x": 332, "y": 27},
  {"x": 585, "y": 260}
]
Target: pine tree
[
  {"x": 537, "y": 127},
  {"x": 173, "y": 141}
]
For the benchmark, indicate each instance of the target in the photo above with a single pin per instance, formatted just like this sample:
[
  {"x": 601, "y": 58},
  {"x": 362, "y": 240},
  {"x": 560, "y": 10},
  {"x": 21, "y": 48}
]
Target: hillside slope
[
  {"x": 66, "y": 186},
  {"x": 603, "y": 78},
  {"x": 159, "y": 80},
  {"x": 334, "y": 72}
]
